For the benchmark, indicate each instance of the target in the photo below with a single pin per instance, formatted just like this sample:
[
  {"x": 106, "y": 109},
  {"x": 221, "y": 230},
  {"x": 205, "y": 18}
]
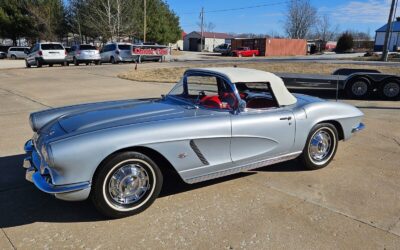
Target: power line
[{"x": 239, "y": 8}]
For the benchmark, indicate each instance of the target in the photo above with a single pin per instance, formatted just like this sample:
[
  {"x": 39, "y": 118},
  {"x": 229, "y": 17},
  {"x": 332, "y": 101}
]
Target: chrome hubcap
[
  {"x": 320, "y": 146},
  {"x": 391, "y": 89},
  {"x": 129, "y": 184},
  {"x": 359, "y": 88}
]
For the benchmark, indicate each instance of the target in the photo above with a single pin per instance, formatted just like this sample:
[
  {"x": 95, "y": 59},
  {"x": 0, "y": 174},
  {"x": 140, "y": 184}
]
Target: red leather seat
[{"x": 211, "y": 102}]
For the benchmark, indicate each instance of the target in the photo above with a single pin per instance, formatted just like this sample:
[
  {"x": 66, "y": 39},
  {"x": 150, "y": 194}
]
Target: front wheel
[
  {"x": 126, "y": 184},
  {"x": 321, "y": 146}
]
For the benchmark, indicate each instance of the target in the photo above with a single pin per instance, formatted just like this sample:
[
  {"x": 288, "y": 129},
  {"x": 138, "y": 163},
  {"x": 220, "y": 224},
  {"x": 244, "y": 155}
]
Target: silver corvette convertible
[{"x": 214, "y": 122}]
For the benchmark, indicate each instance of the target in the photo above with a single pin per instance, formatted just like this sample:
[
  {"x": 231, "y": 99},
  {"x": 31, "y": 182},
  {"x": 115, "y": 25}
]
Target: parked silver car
[
  {"x": 84, "y": 53},
  {"x": 45, "y": 54},
  {"x": 17, "y": 52},
  {"x": 117, "y": 52},
  {"x": 214, "y": 122}
]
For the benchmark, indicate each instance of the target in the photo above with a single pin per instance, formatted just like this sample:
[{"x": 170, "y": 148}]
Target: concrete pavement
[{"x": 353, "y": 203}]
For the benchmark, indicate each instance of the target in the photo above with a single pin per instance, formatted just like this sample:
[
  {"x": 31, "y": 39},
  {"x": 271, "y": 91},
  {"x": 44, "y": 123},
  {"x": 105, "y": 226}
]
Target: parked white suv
[
  {"x": 16, "y": 52},
  {"x": 46, "y": 54},
  {"x": 117, "y": 52}
]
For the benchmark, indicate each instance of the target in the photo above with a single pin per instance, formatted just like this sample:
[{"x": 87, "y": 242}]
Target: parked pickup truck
[{"x": 245, "y": 51}]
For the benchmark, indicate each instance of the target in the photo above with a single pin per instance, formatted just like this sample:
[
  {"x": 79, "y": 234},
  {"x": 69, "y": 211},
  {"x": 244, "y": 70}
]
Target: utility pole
[
  {"x": 388, "y": 30},
  {"x": 202, "y": 27},
  {"x": 144, "y": 21}
]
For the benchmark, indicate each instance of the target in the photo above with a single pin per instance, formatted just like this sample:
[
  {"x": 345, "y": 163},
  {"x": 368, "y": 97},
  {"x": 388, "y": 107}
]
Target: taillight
[
  {"x": 65, "y": 52},
  {"x": 117, "y": 52},
  {"x": 40, "y": 53}
]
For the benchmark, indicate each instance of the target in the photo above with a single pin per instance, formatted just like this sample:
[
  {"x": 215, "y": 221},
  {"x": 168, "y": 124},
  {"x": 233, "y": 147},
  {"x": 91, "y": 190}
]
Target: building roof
[
  {"x": 237, "y": 75},
  {"x": 216, "y": 35},
  {"x": 395, "y": 26}
]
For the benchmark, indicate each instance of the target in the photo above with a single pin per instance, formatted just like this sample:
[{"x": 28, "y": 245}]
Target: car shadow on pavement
[{"x": 22, "y": 203}]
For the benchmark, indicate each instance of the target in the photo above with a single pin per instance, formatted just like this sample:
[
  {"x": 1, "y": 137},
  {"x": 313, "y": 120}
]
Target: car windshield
[
  {"x": 205, "y": 91},
  {"x": 87, "y": 47},
  {"x": 124, "y": 46},
  {"x": 54, "y": 46}
]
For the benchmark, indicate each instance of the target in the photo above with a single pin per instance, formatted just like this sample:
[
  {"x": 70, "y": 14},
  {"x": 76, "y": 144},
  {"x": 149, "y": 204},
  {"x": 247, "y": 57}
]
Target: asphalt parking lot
[{"x": 354, "y": 203}]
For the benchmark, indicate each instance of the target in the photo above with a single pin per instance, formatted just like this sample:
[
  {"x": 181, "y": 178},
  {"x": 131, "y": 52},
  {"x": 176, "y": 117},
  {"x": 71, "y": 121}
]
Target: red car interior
[
  {"x": 228, "y": 100},
  {"x": 260, "y": 103}
]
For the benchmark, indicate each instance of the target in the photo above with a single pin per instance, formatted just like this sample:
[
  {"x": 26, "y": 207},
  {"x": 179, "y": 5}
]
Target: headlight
[
  {"x": 47, "y": 154},
  {"x": 31, "y": 122}
]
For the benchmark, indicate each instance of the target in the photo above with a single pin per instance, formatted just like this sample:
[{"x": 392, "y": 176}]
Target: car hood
[{"x": 105, "y": 116}]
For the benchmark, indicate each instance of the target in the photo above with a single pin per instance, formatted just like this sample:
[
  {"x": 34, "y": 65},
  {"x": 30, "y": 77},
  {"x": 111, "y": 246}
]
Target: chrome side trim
[
  {"x": 242, "y": 168},
  {"x": 198, "y": 153},
  {"x": 360, "y": 127}
]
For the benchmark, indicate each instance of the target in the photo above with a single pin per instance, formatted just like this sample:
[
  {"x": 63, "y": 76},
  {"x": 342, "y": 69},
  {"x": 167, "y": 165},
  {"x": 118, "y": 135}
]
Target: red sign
[{"x": 151, "y": 51}]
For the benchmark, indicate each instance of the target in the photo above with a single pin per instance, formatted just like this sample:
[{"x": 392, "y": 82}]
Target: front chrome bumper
[
  {"x": 43, "y": 182},
  {"x": 360, "y": 127}
]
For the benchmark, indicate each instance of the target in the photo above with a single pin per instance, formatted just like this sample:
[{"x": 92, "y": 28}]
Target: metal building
[
  {"x": 192, "y": 41},
  {"x": 394, "y": 37}
]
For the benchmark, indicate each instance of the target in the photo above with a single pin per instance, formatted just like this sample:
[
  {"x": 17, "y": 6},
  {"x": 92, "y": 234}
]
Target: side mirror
[{"x": 242, "y": 106}]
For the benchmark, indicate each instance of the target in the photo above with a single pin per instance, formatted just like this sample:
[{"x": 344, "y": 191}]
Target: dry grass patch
[{"x": 173, "y": 74}]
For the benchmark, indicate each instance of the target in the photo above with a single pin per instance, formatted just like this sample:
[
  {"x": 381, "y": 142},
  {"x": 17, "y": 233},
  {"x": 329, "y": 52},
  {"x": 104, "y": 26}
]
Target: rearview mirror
[{"x": 242, "y": 106}]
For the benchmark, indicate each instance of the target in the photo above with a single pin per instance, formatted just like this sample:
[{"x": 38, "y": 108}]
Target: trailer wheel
[
  {"x": 390, "y": 89},
  {"x": 358, "y": 88}
]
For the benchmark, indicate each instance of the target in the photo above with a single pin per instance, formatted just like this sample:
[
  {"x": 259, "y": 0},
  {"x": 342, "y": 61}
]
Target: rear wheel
[
  {"x": 390, "y": 89},
  {"x": 13, "y": 57},
  {"x": 50, "y": 65},
  {"x": 321, "y": 146},
  {"x": 126, "y": 184},
  {"x": 97, "y": 62},
  {"x": 358, "y": 88},
  {"x": 76, "y": 63},
  {"x": 38, "y": 63}
]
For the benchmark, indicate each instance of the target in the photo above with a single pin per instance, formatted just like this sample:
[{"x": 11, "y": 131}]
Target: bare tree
[
  {"x": 300, "y": 18},
  {"x": 207, "y": 26},
  {"x": 324, "y": 30},
  {"x": 111, "y": 18}
]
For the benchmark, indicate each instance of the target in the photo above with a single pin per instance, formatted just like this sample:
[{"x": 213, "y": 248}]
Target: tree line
[
  {"x": 86, "y": 20},
  {"x": 302, "y": 21}
]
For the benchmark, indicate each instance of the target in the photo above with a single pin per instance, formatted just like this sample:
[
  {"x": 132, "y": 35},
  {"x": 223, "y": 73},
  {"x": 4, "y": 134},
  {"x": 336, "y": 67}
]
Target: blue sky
[{"x": 362, "y": 15}]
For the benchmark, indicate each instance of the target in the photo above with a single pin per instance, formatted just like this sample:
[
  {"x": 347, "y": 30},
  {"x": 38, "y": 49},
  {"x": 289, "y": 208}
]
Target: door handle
[{"x": 286, "y": 118}]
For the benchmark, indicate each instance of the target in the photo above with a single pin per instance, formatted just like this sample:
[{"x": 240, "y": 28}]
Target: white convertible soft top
[{"x": 237, "y": 75}]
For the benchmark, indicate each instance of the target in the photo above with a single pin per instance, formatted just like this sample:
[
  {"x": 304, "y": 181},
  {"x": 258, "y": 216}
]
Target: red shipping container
[
  {"x": 285, "y": 47},
  {"x": 273, "y": 46}
]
